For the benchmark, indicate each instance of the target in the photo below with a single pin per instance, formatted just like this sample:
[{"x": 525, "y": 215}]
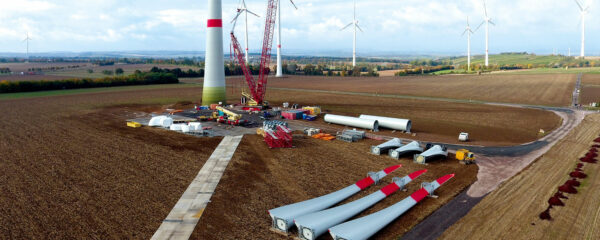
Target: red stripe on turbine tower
[
  {"x": 391, "y": 169},
  {"x": 214, "y": 23},
  {"x": 389, "y": 189},
  {"x": 417, "y": 174}
]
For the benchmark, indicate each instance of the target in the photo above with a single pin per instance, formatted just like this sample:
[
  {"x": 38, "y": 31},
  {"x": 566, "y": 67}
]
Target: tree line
[{"x": 144, "y": 78}]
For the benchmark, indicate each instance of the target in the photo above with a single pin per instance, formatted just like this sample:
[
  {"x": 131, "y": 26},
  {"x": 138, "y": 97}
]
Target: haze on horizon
[{"x": 409, "y": 26}]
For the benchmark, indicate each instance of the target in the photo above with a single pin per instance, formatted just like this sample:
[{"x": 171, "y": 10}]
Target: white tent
[
  {"x": 176, "y": 127},
  {"x": 195, "y": 126},
  {"x": 185, "y": 128},
  {"x": 156, "y": 121},
  {"x": 166, "y": 122}
]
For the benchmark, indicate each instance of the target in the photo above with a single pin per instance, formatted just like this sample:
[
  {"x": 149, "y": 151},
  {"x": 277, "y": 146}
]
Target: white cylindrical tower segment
[{"x": 214, "y": 67}]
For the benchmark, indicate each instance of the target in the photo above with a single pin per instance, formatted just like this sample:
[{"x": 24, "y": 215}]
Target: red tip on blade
[
  {"x": 389, "y": 189},
  {"x": 419, "y": 195},
  {"x": 416, "y": 174},
  {"x": 444, "y": 179},
  {"x": 364, "y": 183},
  {"x": 391, "y": 169}
]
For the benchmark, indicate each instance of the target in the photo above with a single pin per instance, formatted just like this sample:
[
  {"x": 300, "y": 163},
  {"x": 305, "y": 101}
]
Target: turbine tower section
[
  {"x": 214, "y": 71},
  {"x": 279, "y": 67}
]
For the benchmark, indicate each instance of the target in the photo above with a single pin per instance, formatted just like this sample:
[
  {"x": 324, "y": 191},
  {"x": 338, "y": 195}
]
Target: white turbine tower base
[
  {"x": 356, "y": 26},
  {"x": 27, "y": 39},
  {"x": 279, "y": 68},
  {"x": 243, "y": 9},
  {"x": 584, "y": 10}
]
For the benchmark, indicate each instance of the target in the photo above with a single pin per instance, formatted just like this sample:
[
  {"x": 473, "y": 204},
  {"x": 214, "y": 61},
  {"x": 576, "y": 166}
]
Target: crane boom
[{"x": 258, "y": 89}]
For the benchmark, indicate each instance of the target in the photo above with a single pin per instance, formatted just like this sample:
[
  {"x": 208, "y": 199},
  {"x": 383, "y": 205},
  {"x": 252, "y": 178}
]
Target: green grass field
[{"x": 509, "y": 59}]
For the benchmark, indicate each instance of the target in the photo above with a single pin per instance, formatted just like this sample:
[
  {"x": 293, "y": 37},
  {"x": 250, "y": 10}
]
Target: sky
[{"x": 390, "y": 26}]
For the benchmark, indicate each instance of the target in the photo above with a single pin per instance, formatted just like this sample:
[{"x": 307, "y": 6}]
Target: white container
[
  {"x": 463, "y": 137},
  {"x": 352, "y": 122},
  {"x": 195, "y": 126},
  {"x": 185, "y": 128},
  {"x": 156, "y": 121},
  {"x": 391, "y": 123},
  {"x": 177, "y": 127},
  {"x": 166, "y": 122}
]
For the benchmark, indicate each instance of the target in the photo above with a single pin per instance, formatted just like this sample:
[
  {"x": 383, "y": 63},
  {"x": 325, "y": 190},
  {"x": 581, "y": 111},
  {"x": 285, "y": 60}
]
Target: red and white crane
[{"x": 257, "y": 89}]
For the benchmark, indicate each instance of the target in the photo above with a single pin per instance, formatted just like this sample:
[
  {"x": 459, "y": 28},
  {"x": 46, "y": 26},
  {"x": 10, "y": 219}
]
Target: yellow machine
[
  {"x": 465, "y": 156},
  {"x": 249, "y": 101},
  {"x": 232, "y": 116},
  {"x": 134, "y": 124}
]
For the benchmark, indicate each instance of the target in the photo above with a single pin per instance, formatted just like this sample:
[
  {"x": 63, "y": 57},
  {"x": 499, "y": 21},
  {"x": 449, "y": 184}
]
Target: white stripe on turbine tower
[
  {"x": 584, "y": 10},
  {"x": 214, "y": 70},
  {"x": 355, "y": 23},
  {"x": 27, "y": 52},
  {"x": 243, "y": 9},
  {"x": 279, "y": 68},
  {"x": 468, "y": 31},
  {"x": 487, "y": 22}
]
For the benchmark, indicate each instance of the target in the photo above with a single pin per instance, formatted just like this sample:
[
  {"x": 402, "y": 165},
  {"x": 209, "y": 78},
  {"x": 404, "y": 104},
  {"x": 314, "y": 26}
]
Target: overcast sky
[{"x": 409, "y": 26}]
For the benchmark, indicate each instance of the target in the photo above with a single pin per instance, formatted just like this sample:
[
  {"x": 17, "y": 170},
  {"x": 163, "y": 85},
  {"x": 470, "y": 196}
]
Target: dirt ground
[
  {"x": 258, "y": 179},
  {"x": 69, "y": 168},
  {"x": 434, "y": 120},
  {"x": 512, "y": 211},
  {"x": 552, "y": 90},
  {"x": 590, "y": 89}
]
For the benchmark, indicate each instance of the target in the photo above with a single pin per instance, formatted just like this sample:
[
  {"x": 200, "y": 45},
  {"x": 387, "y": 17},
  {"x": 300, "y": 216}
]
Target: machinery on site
[
  {"x": 257, "y": 89},
  {"x": 465, "y": 156},
  {"x": 231, "y": 119},
  {"x": 463, "y": 137}
]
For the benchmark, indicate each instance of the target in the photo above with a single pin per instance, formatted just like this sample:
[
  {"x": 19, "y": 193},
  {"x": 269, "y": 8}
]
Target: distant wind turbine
[
  {"x": 487, "y": 22},
  {"x": 355, "y": 23},
  {"x": 584, "y": 10},
  {"x": 279, "y": 69},
  {"x": 27, "y": 39},
  {"x": 243, "y": 9},
  {"x": 469, "y": 31}
]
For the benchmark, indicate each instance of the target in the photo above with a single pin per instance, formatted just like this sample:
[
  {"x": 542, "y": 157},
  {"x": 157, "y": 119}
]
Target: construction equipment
[
  {"x": 351, "y": 135},
  {"x": 134, "y": 124},
  {"x": 232, "y": 118},
  {"x": 257, "y": 90},
  {"x": 465, "y": 156}
]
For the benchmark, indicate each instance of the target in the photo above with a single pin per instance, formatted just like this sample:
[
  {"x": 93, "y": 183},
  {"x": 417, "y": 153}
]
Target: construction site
[{"x": 267, "y": 156}]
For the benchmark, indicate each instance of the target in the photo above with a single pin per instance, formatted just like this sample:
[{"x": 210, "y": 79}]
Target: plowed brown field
[
  {"x": 590, "y": 89},
  {"x": 546, "y": 89}
]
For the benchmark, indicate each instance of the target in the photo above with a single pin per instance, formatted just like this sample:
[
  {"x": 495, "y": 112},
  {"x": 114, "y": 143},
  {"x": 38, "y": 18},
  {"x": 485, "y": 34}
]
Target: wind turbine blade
[
  {"x": 578, "y": 4},
  {"x": 492, "y": 22},
  {"x": 349, "y": 24},
  {"x": 252, "y": 13},
  {"x": 485, "y": 9},
  {"x": 464, "y": 32},
  {"x": 479, "y": 26},
  {"x": 359, "y": 27},
  {"x": 236, "y": 17},
  {"x": 294, "y": 4}
]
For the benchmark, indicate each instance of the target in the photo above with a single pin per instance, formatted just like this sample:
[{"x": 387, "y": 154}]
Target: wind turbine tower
[
  {"x": 279, "y": 68},
  {"x": 214, "y": 74},
  {"x": 584, "y": 10},
  {"x": 27, "y": 53},
  {"x": 487, "y": 22},
  {"x": 243, "y": 9},
  {"x": 355, "y": 23},
  {"x": 469, "y": 31}
]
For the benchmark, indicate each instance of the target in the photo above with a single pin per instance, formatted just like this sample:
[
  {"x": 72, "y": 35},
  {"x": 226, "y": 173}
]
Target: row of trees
[
  {"x": 422, "y": 70},
  {"x": 145, "y": 78}
]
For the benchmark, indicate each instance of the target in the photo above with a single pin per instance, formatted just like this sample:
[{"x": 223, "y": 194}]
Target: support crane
[{"x": 257, "y": 89}]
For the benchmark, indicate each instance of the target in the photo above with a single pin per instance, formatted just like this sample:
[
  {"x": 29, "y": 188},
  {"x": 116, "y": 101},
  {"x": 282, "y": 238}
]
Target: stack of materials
[
  {"x": 161, "y": 121},
  {"x": 272, "y": 125},
  {"x": 351, "y": 135},
  {"x": 313, "y": 110},
  {"x": 279, "y": 138},
  {"x": 311, "y": 131},
  {"x": 292, "y": 114},
  {"x": 323, "y": 136}
]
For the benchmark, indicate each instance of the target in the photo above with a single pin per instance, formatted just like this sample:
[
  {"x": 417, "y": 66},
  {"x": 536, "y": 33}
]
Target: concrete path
[{"x": 186, "y": 213}]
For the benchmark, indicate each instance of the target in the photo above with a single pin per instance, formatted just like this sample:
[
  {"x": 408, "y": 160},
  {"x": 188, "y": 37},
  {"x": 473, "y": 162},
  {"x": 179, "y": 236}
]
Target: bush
[{"x": 134, "y": 79}]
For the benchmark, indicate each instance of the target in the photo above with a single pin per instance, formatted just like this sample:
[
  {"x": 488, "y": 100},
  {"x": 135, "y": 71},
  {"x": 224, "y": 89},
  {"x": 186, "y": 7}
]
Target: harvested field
[
  {"x": 259, "y": 179},
  {"x": 590, "y": 89},
  {"x": 513, "y": 210},
  {"x": 544, "y": 89},
  {"x": 70, "y": 169}
]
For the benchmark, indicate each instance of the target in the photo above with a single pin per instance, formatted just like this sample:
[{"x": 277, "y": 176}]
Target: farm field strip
[{"x": 511, "y": 212}]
